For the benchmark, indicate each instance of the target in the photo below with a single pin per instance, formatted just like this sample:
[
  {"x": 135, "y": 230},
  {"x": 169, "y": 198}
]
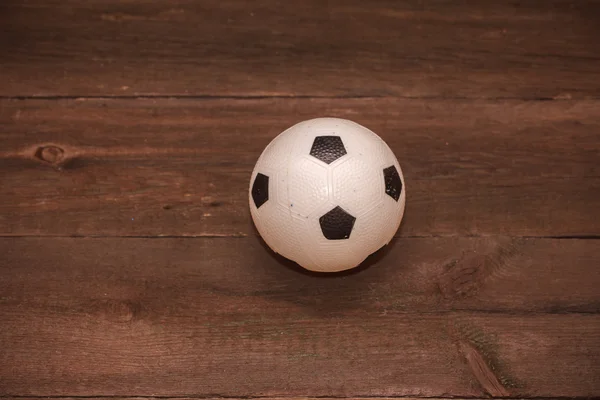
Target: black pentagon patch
[
  {"x": 328, "y": 148},
  {"x": 393, "y": 183},
  {"x": 337, "y": 224},
  {"x": 260, "y": 190}
]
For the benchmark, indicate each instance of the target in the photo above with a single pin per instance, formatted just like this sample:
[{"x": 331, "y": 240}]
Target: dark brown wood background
[{"x": 129, "y": 266}]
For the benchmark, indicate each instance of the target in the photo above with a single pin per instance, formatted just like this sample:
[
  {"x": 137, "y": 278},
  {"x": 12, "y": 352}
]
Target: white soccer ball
[{"x": 327, "y": 193}]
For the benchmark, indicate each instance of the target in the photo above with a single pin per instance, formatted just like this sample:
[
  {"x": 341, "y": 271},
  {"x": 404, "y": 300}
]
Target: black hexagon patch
[
  {"x": 260, "y": 190},
  {"x": 337, "y": 224},
  {"x": 328, "y": 148},
  {"x": 393, "y": 183}
]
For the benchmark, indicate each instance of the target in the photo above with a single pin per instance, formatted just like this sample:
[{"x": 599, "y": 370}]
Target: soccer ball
[{"x": 327, "y": 193}]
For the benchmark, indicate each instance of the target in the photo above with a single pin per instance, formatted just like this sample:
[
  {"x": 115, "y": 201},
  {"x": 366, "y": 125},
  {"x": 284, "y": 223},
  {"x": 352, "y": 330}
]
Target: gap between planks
[
  {"x": 294, "y": 97},
  {"x": 244, "y": 235},
  {"x": 220, "y": 397}
]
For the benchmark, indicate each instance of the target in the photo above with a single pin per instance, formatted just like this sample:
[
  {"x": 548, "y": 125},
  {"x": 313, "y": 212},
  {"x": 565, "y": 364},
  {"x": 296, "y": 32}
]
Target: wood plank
[
  {"x": 524, "y": 49},
  {"x": 412, "y": 274},
  {"x": 181, "y": 167},
  {"x": 265, "y": 398},
  {"x": 222, "y": 317}
]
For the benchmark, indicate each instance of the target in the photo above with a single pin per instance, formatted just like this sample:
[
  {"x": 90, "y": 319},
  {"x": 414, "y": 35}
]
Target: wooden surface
[
  {"x": 181, "y": 167},
  {"x": 473, "y": 48},
  {"x": 129, "y": 267},
  {"x": 431, "y": 314}
]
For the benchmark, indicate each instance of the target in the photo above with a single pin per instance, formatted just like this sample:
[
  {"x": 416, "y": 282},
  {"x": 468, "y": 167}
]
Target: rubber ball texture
[{"x": 327, "y": 193}]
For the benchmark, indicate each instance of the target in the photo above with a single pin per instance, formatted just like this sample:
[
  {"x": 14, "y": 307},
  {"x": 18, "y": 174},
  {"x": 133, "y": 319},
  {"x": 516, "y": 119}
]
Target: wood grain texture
[
  {"x": 481, "y": 49},
  {"x": 224, "y": 317},
  {"x": 151, "y": 117},
  {"x": 182, "y": 167},
  {"x": 241, "y": 398}
]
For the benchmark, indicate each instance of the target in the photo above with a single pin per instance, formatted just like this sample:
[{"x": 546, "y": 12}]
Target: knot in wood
[
  {"x": 50, "y": 154},
  {"x": 121, "y": 311}
]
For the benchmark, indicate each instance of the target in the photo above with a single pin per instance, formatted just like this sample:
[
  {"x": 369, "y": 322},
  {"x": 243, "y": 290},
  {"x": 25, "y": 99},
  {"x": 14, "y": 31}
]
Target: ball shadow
[{"x": 326, "y": 293}]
